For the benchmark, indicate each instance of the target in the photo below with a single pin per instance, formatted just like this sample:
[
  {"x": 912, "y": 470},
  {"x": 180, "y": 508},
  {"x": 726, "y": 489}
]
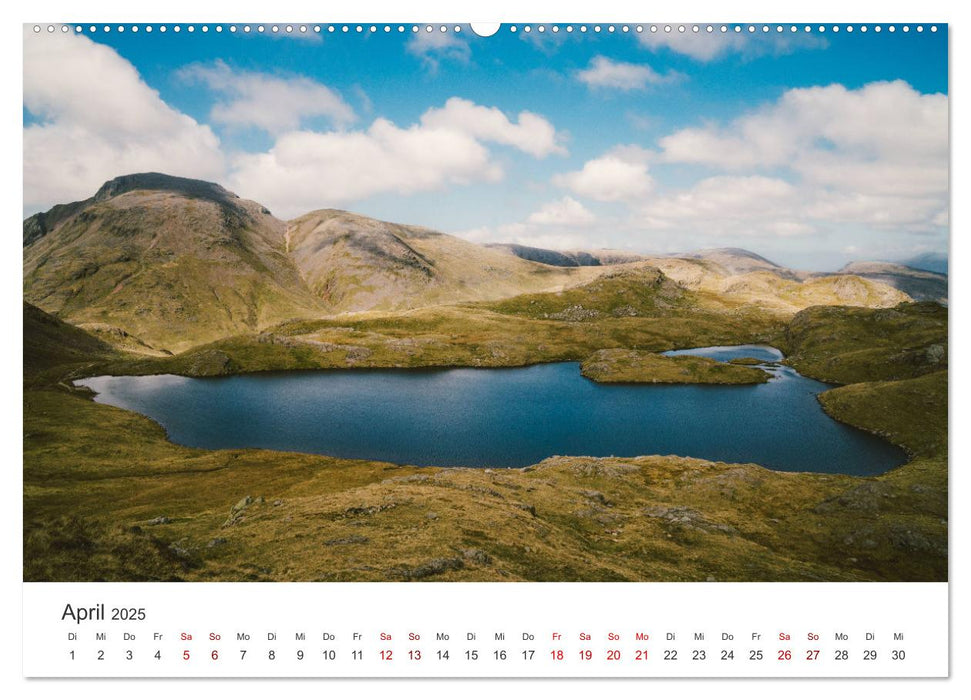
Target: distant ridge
[
  {"x": 920, "y": 285},
  {"x": 548, "y": 257},
  {"x": 739, "y": 261},
  {"x": 932, "y": 262},
  {"x": 568, "y": 258}
]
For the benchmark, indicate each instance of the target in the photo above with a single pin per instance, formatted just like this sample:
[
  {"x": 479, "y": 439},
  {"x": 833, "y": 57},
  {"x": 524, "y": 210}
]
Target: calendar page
[{"x": 467, "y": 350}]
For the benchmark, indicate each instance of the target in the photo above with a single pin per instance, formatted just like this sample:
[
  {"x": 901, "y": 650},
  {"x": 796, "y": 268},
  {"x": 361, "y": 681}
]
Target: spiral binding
[{"x": 298, "y": 29}]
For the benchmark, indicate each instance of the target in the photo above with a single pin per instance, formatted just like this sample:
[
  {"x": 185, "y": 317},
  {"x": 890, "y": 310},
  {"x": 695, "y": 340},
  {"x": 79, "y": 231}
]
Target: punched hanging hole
[{"x": 485, "y": 29}]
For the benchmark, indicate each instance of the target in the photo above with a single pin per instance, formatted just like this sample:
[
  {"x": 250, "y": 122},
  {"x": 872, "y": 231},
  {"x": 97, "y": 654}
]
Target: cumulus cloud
[
  {"x": 270, "y": 102},
  {"x": 96, "y": 119},
  {"x": 558, "y": 225},
  {"x": 308, "y": 169},
  {"x": 619, "y": 175},
  {"x": 704, "y": 46},
  {"x": 876, "y": 155},
  {"x": 604, "y": 72},
  {"x": 563, "y": 212},
  {"x": 733, "y": 206},
  {"x": 92, "y": 118},
  {"x": 530, "y": 132},
  {"x": 879, "y": 120},
  {"x": 435, "y": 47},
  {"x": 728, "y": 205},
  {"x": 523, "y": 233}
]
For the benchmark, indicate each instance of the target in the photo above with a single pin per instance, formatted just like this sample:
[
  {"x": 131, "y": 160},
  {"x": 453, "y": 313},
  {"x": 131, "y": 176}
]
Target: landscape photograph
[{"x": 562, "y": 303}]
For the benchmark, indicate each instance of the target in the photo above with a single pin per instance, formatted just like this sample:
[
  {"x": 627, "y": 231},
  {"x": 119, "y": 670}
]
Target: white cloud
[
  {"x": 876, "y": 155},
  {"x": 728, "y": 205},
  {"x": 563, "y": 212},
  {"x": 529, "y": 235},
  {"x": 434, "y": 47},
  {"x": 704, "y": 46},
  {"x": 530, "y": 133},
  {"x": 889, "y": 121},
  {"x": 97, "y": 119},
  {"x": 606, "y": 73},
  {"x": 558, "y": 225},
  {"x": 755, "y": 205},
  {"x": 270, "y": 102},
  {"x": 308, "y": 170},
  {"x": 619, "y": 175},
  {"x": 877, "y": 211}
]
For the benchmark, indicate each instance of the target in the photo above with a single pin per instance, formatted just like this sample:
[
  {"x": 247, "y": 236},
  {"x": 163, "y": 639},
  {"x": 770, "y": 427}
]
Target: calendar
[
  {"x": 352, "y": 630},
  {"x": 468, "y": 350}
]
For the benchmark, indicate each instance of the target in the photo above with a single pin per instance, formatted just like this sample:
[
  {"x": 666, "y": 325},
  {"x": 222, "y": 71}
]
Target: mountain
[
  {"x": 354, "y": 263},
  {"x": 164, "y": 263},
  {"x": 931, "y": 262},
  {"x": 731, "y": 277},
  {"x": 568, "y": 258},
  {"x": 170, "y": 261},
  {"x": 738, "y": 261},
  {"x": 156, "y": 264},
  {"x": 919, "y": 285}
]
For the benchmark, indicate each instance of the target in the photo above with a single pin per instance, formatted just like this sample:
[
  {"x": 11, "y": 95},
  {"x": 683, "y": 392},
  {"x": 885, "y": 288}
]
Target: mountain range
[{"x": 157, "y": 264}]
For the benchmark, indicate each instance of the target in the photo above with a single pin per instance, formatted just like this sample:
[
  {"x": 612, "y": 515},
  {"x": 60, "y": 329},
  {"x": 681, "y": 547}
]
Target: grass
[
  {"x": 642, "y": 291},
  {"x": 876, "y": 407},
  {"x": 107, "y": 497},
  {"x": 455, "y": 336},
  {"x": 632, "y": 366},
  {"x": 90, "y": 505},
  {"x": 844, "y": 345}
]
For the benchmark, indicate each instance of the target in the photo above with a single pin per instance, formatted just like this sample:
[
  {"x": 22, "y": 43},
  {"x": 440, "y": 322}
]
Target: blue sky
[{"x": 811, "y": 148}]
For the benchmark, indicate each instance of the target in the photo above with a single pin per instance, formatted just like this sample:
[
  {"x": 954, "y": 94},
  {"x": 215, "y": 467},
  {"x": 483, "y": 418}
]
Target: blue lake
[{"x": 505, "y": 417}]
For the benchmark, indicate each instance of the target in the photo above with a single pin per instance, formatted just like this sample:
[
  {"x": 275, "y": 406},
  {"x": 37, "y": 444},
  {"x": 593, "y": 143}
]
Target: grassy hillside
[
  {"x": 845, "y": 345},
  {"x": 455, "y": 336},
  {"x": 620, "y": 293},
  {"x": 52, "y": 347},
  {"x": 911, "y": 412}
]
